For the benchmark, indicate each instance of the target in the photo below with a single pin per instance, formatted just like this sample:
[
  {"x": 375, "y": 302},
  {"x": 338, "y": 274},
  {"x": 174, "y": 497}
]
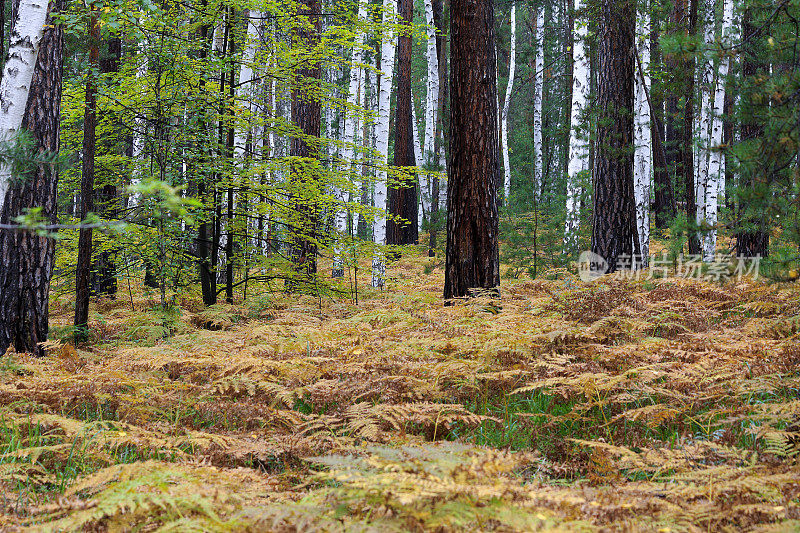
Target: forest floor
[{"x": 653, "y": 405}]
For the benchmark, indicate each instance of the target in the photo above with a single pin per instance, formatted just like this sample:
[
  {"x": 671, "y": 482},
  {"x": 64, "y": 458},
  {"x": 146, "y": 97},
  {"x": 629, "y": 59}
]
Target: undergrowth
[{"x": 660, "y": 405}]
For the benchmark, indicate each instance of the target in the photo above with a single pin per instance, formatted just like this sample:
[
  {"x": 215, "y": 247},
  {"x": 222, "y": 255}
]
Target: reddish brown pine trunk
[
  {"x": 26, "y": 259},
  {"x": 614, "y": 221},
  {"x": 306, "y": 114},
  {"x": 402, "y": 198},
  {"x": 472, "y": 217}
]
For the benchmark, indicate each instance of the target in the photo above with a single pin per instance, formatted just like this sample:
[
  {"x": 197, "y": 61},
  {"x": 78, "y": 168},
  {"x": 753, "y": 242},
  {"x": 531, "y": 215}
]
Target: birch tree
[
  {"x": 424, "y": 184},
  {"x": 714, "y": 181},
  {"x": 705, "y": 79},
  {"x": 388, "y": 44},
  {"x": 245, "y": 89},
  {"x": 512, "y": 65},
  {"x": 537, "y": 100},
  {"x": 578, "y": 148},
  {"x": 428, "y": 160},
  {"x": 354, "y": 98},
  {"x": 30, "y": 92},
  {"x": 26, "y": 36},
  {"x": 643, "y": 162}
]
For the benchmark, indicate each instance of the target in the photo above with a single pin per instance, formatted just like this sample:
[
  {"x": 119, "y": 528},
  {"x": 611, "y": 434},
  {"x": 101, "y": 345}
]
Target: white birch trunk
[
  {"x": 424, "y": 182},
  {"x": 244, "y": 89},
  {"x": 578, "y": 146},
  {"x": 704, "y": 117},
  {"x": 361, "y": 102},
  {"x": 17, "y": 76},
  {"x": 512, "y": 65},
  {"x": 643, "y": 151},
  {"x": 537, "y": 102},
  {"x": 716, "y": 161},
  {"x": 389, "y": 42},
  {"x": 432, "y": 86},
  {"x": 350, "y": 125},
  {"x": 140, "y": 131}
]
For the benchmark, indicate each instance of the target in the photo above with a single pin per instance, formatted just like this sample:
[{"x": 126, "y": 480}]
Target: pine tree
[
  {"x": 26, "y": 257},
  {"x": 614, "y": 223},
  {"x": 472, "y": 260},
  {"x": 402, "y": 227}
]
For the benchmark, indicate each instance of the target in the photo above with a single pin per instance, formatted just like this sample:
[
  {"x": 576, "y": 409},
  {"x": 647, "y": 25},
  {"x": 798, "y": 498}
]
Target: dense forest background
[
  {"x": 400, "y": 266},
  {"x": 177, "y": 123}
]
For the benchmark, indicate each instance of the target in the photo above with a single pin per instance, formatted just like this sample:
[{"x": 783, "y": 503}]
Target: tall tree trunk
[
  {"x": 27, "y": 34},
  {"x": 105, "y": 275},
  {"x": 402, "y": 228},
  {"x": 472, "y": 218},
  {"x": 613, "y": 228},
  {"x": 752, "y": 239},
  {"x": 26, "y": 257},
  {"x": 83, "y": 269},
  {"x": 423, "y": 189},
  {"x": 382, "y": 140},
  {"x": 208, "y": 279},
  {"x": 643, "y": 160},
  {"x": 429, "y": 161},
  {"x": 306, "y": 115},
  {"x": 706, "y": 79},
  {"x": 578, "y": 147},
  {"x": 512, "y": 66},
  {"x": 355, "y": 90},
  {"x": 538, "y": 85},
  {"x": 438, "y": 157},
  {"x": 230, "y": 150},
  {"x": 715, "y": 178}
]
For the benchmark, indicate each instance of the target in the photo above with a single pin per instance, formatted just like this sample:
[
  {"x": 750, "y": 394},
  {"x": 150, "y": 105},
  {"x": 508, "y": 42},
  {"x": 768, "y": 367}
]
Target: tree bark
[
  {"x": 643, "y": 160},
  {"x": 306, "y": 115},
  {"x": 83, "y": 269},
  {"x": 716, "y": 177},
  {"x": 472, "y": 217},
  {"x": 512, "y": 66},
  {"x": 402, "y": 227},
  {"x": 538, "y": 85},
  {"x": 105, "y": 271},
  {"x": 613, "y": 228},
  {"x": 387, "y": 59},
  {"x": 230, "y": 150},
  {"x": 205, "y": 229},
  {"x": 27, "y": 34},
  {"x": 27, "y": 258},
  {"x": 578, "y": 147},
  {"x": 351, "y": 119},
  {"x": 438, "y": 143}
]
